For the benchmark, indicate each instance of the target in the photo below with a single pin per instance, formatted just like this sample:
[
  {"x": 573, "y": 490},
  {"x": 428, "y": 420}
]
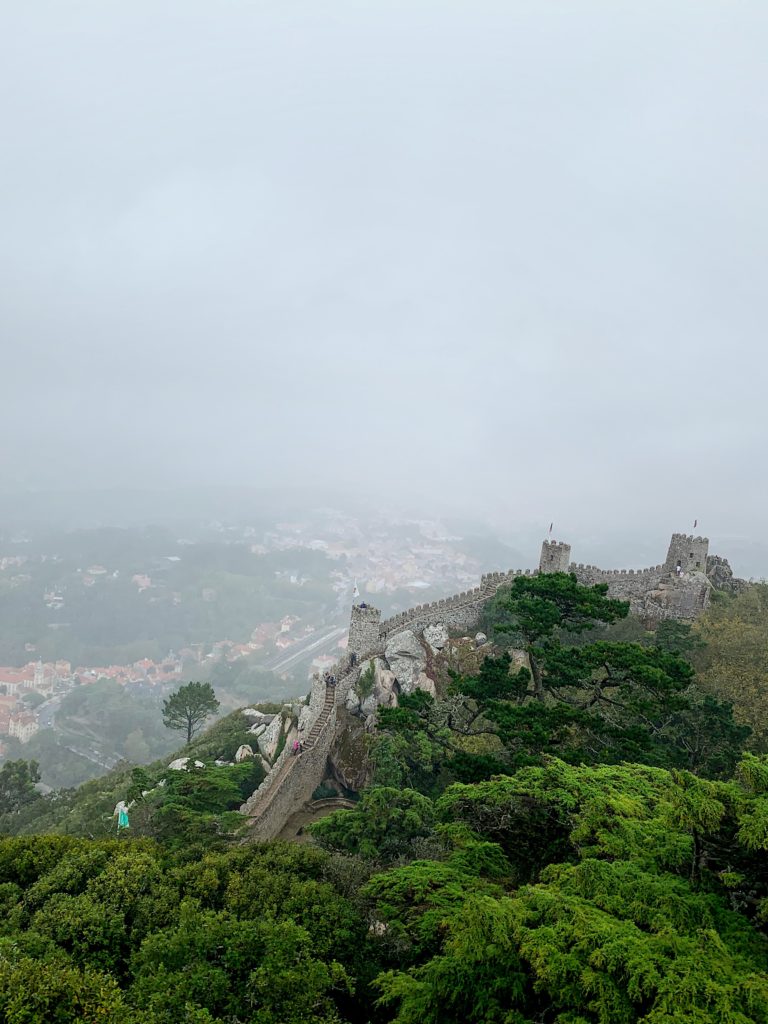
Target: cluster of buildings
[
  {"x": 384, "y": 557},
  {"x": 380, "y": 556},
  {"x": 16, "y": 718},
  {"x": 20, "y": 717},
  {"x": 47, "y": 679}
]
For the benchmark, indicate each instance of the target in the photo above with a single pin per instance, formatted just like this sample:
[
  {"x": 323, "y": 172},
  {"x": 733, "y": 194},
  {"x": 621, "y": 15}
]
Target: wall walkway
[{"x": 294, "y": 778}]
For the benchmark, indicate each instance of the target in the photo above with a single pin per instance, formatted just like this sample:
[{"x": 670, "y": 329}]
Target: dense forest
[{"x": 578, "y": 835}]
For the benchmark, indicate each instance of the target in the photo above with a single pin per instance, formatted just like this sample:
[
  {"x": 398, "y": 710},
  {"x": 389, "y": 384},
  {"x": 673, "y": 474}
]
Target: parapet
[
  {"x": 555, "y": 556},
  {"x": 687, "y": 552},
  {"x": 364, "y": 624},
  {"x": 368, "y": 632}
]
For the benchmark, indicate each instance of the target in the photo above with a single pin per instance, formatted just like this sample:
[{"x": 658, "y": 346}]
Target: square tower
[
  {"x": 688, "y": 553},
  {"x": 364, "y": 629},
  {"x": 555, "y": 556}
]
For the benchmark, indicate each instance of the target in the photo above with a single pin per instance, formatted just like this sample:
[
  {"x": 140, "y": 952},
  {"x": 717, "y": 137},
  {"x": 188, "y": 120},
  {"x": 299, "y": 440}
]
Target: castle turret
[
  {"x": 555, "y": 556},
  {"x": 363, "y": 629},
  {"x": 688, "y": 553}
]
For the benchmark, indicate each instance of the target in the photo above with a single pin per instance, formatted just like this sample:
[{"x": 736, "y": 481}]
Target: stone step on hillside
[{"x": 322, "y": 718}]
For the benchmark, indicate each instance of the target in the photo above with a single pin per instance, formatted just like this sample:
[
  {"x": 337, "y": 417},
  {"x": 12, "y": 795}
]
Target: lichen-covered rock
[
  {"x": 678, "y": 597},
  {"x": 269, "y": 739},
  {"x": 406, "y": 659},
  {"x": 181, "y": 764},
  {"x": 348, "y": 757},
  {"x": 720, "y": 575},
  {"x": 436, "y": 636},
  {"x": 244, "y": 751},
  {"x": 385, "y": 685},
  {"x": 426, "y": 684},
  {"x": 376, "y": 687},
  {"x": 480, "y": 639},
  {"x": 519, "y": 658}
]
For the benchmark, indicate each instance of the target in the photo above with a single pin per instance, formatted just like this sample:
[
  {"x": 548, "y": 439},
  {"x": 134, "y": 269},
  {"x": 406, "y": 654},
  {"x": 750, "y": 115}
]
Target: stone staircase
[
  {"x": 322, "y": 718},
  {"x": 290, "y": 784}
]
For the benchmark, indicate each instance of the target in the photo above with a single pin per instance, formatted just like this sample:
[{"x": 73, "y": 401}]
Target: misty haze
[{"x": 382, "y": 512}]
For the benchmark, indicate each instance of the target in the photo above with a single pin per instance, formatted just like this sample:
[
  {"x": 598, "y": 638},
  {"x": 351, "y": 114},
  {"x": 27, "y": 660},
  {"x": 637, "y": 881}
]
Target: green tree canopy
[
  {"x": 189, "y": 707},
  {"x": 17, "y": 785},
  {"x": 732, "y": 657}
]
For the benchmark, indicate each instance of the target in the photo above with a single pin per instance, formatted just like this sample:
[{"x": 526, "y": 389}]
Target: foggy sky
[{"x": 508, "y": 255}]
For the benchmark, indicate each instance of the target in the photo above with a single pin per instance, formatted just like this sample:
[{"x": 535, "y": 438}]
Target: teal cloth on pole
[{"x": 122, "y": 818}]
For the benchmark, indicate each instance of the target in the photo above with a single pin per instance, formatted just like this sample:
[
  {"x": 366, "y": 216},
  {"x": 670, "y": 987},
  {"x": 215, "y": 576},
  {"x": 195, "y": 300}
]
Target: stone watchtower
[
  {"x": 555, "y": 556},
  {"x": 363, "y": 629},
  {"x": 687, "y": 552}
]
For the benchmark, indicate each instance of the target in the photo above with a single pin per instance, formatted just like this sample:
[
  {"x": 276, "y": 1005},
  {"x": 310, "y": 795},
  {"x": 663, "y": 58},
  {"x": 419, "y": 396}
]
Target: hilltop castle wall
[
  {"x": 462, "y": 611},
  {"x": 676, "y": 588},
  {"x": 293, "y": 779},
  {"x": 679, "y": 588}
]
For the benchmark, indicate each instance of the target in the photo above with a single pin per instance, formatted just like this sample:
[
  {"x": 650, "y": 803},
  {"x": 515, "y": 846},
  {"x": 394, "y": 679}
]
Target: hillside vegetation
[
  {"x": 583, "y": 840},
  {"x": 732, "y": 657}
]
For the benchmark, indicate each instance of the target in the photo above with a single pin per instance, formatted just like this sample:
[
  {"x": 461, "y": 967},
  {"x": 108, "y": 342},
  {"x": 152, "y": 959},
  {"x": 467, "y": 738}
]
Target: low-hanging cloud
[{"x": 505, "y": 255}]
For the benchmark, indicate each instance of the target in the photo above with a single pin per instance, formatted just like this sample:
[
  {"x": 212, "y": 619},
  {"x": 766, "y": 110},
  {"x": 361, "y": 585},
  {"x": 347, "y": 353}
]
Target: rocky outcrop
[
  {"x": 181, "y": 764},
  {"x": 348, "y": 758},
  {"x": 436, "y": 636},
  {"x": 268, "y": 736},
  {"x": 720, "y": 575},
  {"x": 406, "y": 659},
  {"x": 682, "y": 597},
  {"x": 406, "y": 666}
]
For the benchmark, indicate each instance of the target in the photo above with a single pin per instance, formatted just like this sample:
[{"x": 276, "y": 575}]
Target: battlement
[
  {"x": 292, "y": 780},
  {"x": 364, "y": 625},
  {"x": 555, "y": 556},
  {"x": 598, "y": 575},
  {"x": 464, "y": 609},
  {"x": 687, "y": 553},
  {"x": 365, "y": 612}
]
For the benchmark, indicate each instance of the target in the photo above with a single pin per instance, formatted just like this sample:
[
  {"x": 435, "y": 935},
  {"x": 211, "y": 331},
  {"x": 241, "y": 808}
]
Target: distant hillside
[{"x": 113, "y": 596}]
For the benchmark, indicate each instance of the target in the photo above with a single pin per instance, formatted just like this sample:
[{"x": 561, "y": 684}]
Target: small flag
[
  {"x": 355, "y": 592},
  {"x": 122, "y": 819},
  {"x": 695, "y": 523},
  {"x": 550, "y": 527}
]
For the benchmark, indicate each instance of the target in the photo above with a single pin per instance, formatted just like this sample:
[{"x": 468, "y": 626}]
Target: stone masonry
[{"x": 678, "y": 588}]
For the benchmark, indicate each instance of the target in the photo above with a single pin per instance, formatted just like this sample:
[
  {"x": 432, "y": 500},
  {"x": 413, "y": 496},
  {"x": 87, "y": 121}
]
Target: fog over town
[
  {"x": 505, "y": 262},
  {"x": 383, "y": 549},
  {"x": 301, "y": 298}
]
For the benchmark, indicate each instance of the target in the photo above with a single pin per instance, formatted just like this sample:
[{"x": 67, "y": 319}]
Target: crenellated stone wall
[
  {"x": 555, "y": 556},
  {"x": 462, "y": 611},
  {"x": 364, "y": 627},
  {"x": 293, "y": 779},
  {"x": 679, "y": 588}
]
